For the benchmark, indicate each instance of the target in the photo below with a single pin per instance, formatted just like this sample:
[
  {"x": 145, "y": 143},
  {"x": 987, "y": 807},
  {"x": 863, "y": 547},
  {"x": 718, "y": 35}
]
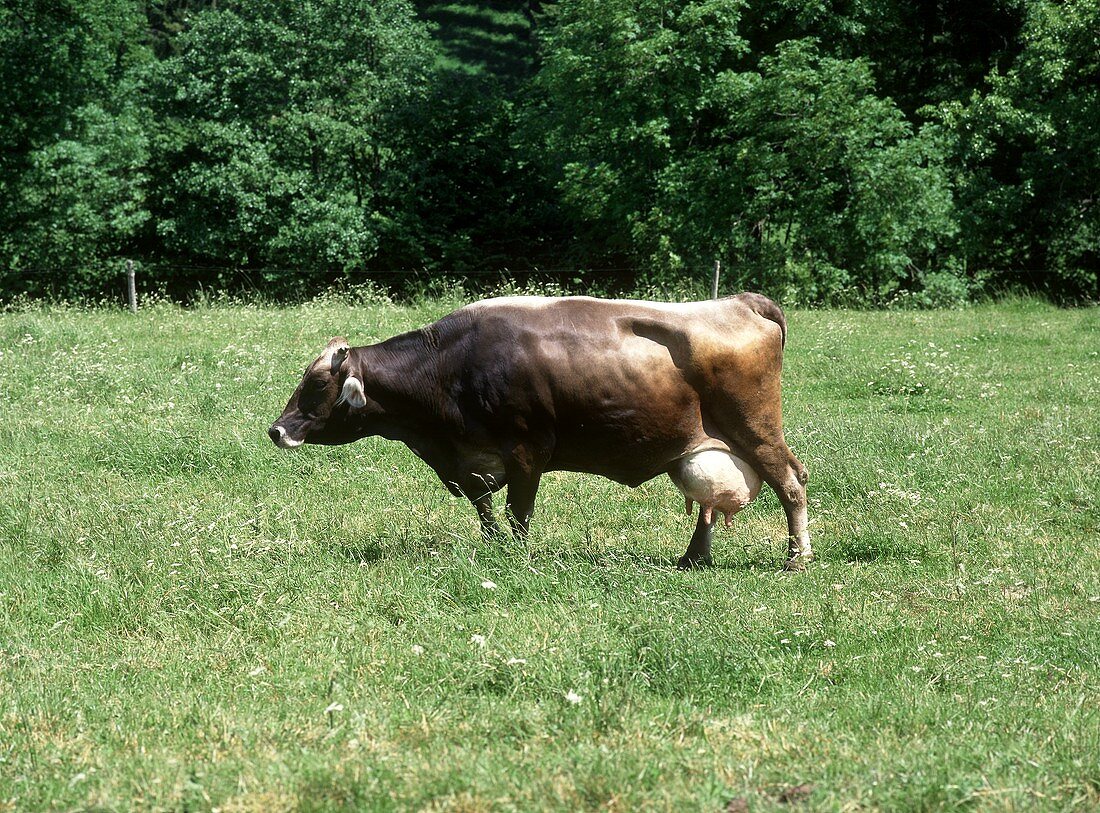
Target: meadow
[{"x": 193, "y": 620}]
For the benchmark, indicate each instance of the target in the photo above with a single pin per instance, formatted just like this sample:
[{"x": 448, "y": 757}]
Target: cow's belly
[
  {"x": 629, "y": 454},
  {"x": 632, "y": 436},
  {"x": 624, "y": 409},
  {"x": 631, "y": 464},
  {"x": 719, "y": 481}
]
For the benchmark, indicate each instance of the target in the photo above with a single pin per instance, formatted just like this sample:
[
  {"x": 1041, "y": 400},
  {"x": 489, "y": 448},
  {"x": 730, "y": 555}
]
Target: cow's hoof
[
  {"x": 694, "y": 562},
  {"x": 796, "y": 564}
]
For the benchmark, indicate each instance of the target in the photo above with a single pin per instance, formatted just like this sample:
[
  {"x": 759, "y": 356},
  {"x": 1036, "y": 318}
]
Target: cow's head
[{"x": 317, "y": 412}]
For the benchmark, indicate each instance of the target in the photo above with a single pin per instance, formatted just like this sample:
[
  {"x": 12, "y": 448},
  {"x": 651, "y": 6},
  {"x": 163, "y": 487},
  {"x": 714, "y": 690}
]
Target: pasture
[{"x": 193, "y": 620}]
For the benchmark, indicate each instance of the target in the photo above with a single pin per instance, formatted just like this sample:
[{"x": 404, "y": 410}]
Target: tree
[
  {"x": 279, "y": 139},
  {"x": 1027, "y": 154},
  {"x": 72, "y": 146},
  {"x": 677, "y": 143},
  {"x": 83, "y": 201}
]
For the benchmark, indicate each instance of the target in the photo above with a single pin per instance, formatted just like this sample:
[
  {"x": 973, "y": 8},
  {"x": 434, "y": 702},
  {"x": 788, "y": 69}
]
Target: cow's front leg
[
  {"x": 478, "y": 488},
  {"x": 484, "y": 507},
  {"x": 521, "y": 502},
  {"x": 698, "y": 552}
]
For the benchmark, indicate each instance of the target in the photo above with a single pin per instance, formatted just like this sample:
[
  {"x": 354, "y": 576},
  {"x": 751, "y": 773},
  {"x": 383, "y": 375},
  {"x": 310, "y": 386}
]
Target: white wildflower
[
  {"x": 572, "y": 697},
  {"x": 488, "y": 585},
  {"x": 477, "y": 640}
]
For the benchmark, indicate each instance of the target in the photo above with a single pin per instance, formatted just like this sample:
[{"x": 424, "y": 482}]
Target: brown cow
[{"x": 502, "y": 390}]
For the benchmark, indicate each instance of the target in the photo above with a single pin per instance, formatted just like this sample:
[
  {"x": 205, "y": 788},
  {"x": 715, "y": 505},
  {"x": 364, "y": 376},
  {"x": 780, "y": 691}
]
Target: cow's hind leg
[
  {"x": 762, "y": 446},
  {"x": 755, "y": 427},
  {"x": 781, "y": 470},
  {"x": 698, "y": 552}
]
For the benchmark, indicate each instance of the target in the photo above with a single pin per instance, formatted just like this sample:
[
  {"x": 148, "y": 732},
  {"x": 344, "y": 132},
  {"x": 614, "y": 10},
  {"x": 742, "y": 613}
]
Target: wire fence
[
  {"x": 157, "y": 269},
  {"x": 185, "y": 280},
  {"x": 188, "y": 281}
]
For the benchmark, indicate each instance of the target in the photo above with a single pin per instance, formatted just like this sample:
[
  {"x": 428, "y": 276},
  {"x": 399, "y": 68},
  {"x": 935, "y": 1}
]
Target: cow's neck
[{"x": 402, "y": 376}]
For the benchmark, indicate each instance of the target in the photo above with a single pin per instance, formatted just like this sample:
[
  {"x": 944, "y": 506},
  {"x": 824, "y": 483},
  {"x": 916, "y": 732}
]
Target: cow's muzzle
[{"x": 281, "y": 439}]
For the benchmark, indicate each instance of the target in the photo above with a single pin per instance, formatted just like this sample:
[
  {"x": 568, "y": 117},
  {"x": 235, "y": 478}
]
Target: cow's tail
[{"x": 762, "y": 306}]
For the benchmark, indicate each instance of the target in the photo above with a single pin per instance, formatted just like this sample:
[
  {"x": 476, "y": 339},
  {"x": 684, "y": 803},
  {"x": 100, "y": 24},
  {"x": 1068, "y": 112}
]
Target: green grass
[{"x": 192, "y": 620}]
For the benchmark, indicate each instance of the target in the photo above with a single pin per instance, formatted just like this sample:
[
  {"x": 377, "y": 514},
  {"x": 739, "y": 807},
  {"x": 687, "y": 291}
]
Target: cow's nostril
[{"x": 275, "y": 433}]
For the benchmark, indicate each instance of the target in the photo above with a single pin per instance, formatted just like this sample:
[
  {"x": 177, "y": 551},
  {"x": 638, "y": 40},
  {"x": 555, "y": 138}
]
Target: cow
[{"x": 502, "y": 390}]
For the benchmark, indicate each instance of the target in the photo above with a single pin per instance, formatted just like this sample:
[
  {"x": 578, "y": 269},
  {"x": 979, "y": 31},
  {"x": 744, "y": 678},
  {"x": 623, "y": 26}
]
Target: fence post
[
  {"x": 714, "y": 282},
  {"x": 131, "y": 286}
]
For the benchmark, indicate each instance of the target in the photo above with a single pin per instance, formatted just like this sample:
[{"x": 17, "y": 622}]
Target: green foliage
[
  {"x": 790, "y": 169},
  {"x": 55, "y": 57},
  {"x": 167, "y": 19},
  {"x": 872, "y": 152},
  {"x": 281, "y": 137},
  {"x": 483, "y": 40},
  {"x": 468, "y": 203},
  {"x": 1027, "y": 153},
  {"x": 928, "y": 51},
  {"x": 72, "y": 147},
  {"x": 84, "y": 197}
]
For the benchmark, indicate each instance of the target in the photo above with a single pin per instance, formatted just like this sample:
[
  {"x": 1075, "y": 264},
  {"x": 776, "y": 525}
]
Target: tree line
[{"x": 848, "y": 151}]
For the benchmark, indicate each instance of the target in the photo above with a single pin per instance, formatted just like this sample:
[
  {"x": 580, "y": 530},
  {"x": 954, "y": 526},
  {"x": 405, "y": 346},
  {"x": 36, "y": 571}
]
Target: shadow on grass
[
  {"x": 378, "y": 549},
  {"x": 366, "y": 553},
  {"x": 382, "y": 547},
  {"x": 878, "y": 549},
  {"x": 598, "y": 558}
]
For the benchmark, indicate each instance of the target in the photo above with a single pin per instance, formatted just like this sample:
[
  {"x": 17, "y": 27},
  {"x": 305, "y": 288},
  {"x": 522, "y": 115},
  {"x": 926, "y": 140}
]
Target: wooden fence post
[
  {"x": 714, "y": 282},
  {"x": 131, "y": 286}
]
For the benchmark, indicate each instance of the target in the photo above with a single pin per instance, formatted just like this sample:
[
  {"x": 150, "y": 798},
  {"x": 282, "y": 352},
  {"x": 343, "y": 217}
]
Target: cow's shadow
[
  {"x": 364, "y": 553},
  {"x": 373, "y": 551},
  {"x": 613, "y": 558}
]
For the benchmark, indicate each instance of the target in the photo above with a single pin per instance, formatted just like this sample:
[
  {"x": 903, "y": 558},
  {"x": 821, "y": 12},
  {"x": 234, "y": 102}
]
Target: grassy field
[{"x": 192, "y": 620}]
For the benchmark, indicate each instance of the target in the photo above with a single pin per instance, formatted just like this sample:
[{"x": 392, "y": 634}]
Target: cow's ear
[
  {"x": 352, "y": 393},
  {"x": 339, "y": 354}
]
